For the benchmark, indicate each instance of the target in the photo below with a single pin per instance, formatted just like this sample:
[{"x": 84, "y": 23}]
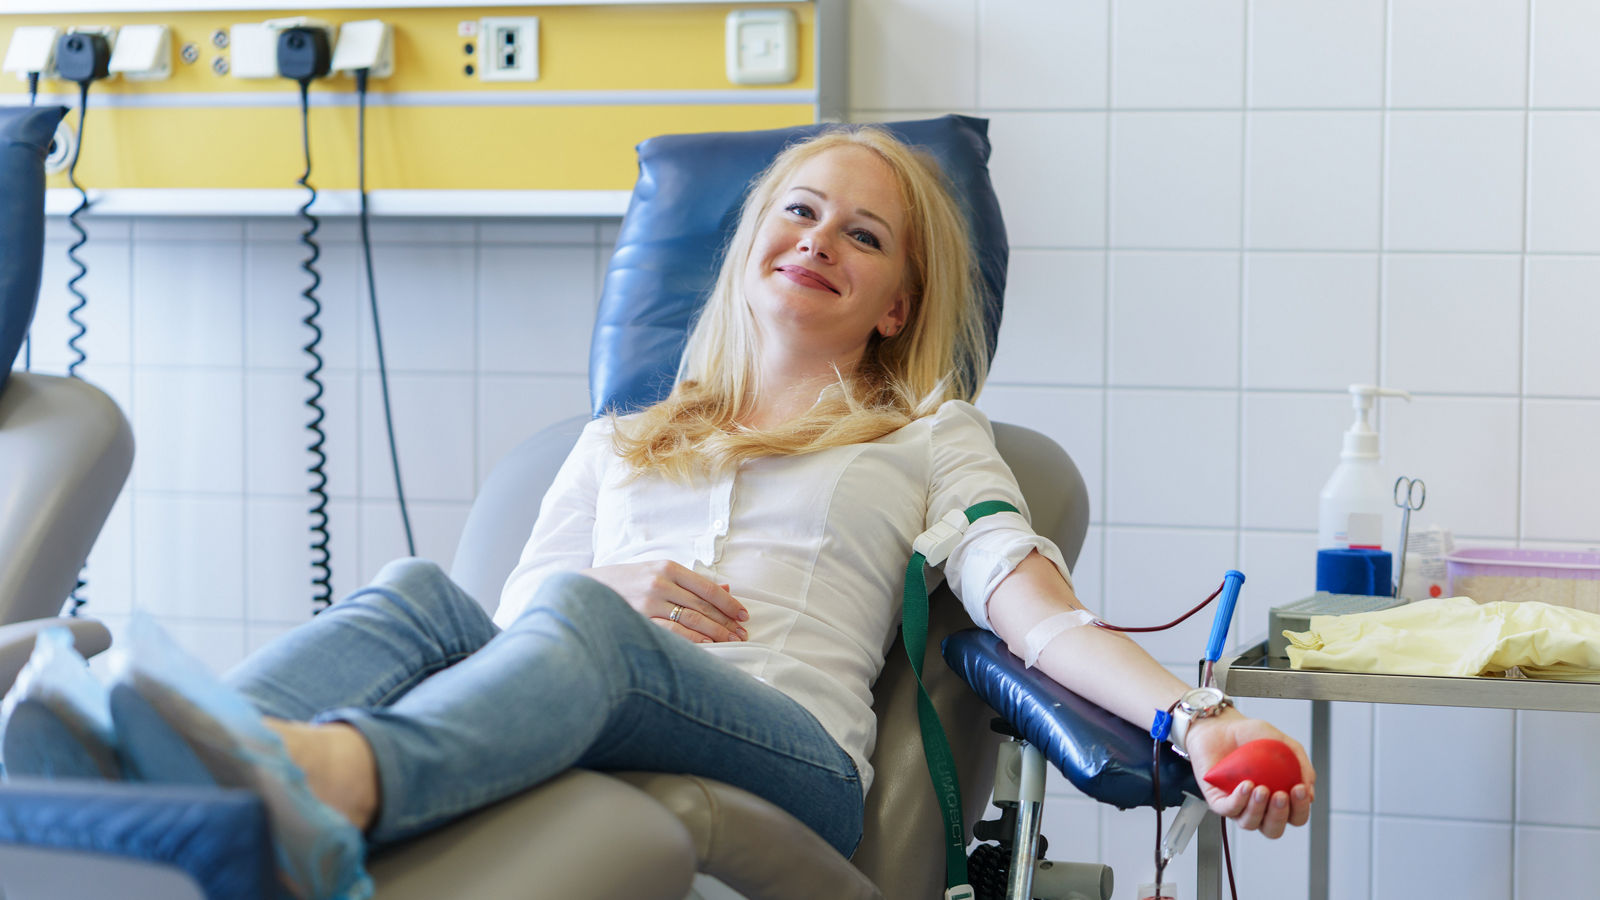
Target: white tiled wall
[{"x": 1221, "y": 213}]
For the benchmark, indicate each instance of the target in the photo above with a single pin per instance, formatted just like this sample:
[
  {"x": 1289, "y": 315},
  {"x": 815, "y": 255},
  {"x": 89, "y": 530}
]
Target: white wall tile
[
  {"x": 427, "y": 230},
  {"x": 1455, "y": 181},
  {"x": 436, "y": 527},
  {"x": 1279, "y": 568},
  {"x": 1174, "y": 319},
  {"x": 1313, "y": 180},
  {"x": 1563, "y": 327},
  {"x": 521, "y": 232},
  {"x": 435, "y": 426},
  {"x": 188, "y": 306},
  {"x": 277, "y": 439},
  {"x": 1267, "y": 868},
  {"x": 1465, "y": 449},
  {"x": 1435, "y": 858},
  {"x": 1350, "y": 842},
  {"x": 1126, "y": 839},
  {"x": 1452, "y": 324},
  {"x": 1564, "y": 187},
  {"x": 1440, "y": 57},
  {"x": 1155, "y": 575},
  {"x": 190, "y": 560},
  {"x": 1565, "y": 70},
  {"x": 1175, "y": 180},
  {"x": 1053, "y": 330},
  {"x": 1554, "y": 862},
  {"x": 1152, "y": 42},
  {"x": 187, "y": 229},
  {"x": 1351, "y": 747},
  {"x": 1042, "y": 55},
  {"x": 536, "y": 309},
  {"x": 913, "y": 54},
  {"x": 1316, "y": 54},
  {"x": 1555, "y": 786},
  {"x": 426, "y": 298},
  {"x": 1426, "y": 753},
  {"x": 1310, "y": 320},
  {"x": 1071, "y": 822},
  {"x": 189, "y": 427},
  {"x": 513, "y": 408},
  {"x": 1069, "y": 416},
  {"x": 278, "y": 568},
  {"x": 1172, "y": 458},
  {"x": 1049, "y": 172},
  {"x": 100, "y": 228},
  {"x": 275, "y": 307},
  {"x": 107, "y": 315},
  {"x": 1557, "y": 440}
]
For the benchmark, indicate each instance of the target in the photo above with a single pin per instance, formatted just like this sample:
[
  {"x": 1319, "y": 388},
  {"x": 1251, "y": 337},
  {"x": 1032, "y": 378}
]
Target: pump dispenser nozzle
[{"x": 1361, "y": 441}]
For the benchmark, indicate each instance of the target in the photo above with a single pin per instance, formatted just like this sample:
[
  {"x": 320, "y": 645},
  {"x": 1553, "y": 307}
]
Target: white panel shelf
[{"x": 287, "y": 201}]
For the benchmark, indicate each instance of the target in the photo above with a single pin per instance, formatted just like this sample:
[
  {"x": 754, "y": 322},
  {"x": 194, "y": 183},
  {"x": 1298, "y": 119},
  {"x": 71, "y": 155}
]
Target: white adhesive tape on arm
[{"x": 1049, "y": 629}]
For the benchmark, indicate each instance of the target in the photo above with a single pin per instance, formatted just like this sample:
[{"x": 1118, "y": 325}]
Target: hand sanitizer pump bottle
[{"x": 1357, "y": 498}]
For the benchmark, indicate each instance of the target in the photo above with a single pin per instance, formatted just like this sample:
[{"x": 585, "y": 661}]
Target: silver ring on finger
[{"x": 677, "y": 613}]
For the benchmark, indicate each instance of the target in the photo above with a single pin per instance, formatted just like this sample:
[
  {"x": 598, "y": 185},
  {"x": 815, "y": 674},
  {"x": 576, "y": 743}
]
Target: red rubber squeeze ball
[{"x": 1266, "y": 761}]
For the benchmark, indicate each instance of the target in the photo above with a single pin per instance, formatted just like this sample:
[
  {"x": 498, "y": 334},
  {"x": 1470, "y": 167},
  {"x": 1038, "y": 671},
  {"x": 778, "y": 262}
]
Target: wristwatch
[{"x": 1198, "y": 703}]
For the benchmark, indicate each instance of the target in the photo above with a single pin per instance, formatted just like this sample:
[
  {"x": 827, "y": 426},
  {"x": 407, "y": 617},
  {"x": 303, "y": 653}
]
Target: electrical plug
[
  {"x": 83, "y": 56},
  {"x": 304, "y": 53}
]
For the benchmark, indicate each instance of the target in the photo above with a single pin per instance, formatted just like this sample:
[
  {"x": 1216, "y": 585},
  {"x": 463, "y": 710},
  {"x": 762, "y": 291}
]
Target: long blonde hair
[{"x": 939, "y": 355}]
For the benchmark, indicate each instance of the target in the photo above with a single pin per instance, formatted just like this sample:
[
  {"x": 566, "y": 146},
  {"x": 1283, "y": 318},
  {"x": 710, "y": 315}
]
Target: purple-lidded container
[{"x": 1562, "y": 577}]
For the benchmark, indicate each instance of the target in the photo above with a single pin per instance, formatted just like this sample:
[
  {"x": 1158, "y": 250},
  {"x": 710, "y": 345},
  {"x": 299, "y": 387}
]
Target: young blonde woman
[{"x": 712, "y": 583}]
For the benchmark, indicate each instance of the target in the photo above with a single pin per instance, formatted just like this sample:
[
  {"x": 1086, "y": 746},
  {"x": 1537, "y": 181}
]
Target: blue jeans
[{"x": 461, "y": 714}]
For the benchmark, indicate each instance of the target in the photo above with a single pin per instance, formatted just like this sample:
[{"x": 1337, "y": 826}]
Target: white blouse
[{"x": 814, "y": 546}]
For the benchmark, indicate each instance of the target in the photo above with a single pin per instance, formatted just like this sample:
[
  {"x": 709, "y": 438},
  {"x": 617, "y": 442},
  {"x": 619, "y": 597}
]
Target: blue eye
[
  {"x": 867, "y": 238},
  {"x": 800, "y": 209}
]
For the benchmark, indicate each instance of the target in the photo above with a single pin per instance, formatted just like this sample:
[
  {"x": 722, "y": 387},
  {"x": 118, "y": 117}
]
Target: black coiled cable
[
  {"x": 83, "y": 238},
  {"x": 322, "y": 578},
  {"x": 78, "y": 600}
]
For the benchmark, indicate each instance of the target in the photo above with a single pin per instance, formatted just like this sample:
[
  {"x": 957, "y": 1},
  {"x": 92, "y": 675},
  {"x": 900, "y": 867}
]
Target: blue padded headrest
[
  {"x": 685, "y": 208},
  {"x": 25, "y": 134}
]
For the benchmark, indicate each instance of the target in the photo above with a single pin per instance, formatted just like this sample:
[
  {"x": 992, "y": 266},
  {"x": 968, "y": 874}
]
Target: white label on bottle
[{"x": 1365, "y": 531}]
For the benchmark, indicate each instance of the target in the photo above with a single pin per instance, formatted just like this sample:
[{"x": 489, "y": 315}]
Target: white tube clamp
[{"x": 936, "y": 543}]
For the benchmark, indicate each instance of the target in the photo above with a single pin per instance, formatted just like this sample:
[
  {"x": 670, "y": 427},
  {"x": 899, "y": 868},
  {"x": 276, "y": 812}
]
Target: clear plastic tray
[{"x": 1562, "y": 577}]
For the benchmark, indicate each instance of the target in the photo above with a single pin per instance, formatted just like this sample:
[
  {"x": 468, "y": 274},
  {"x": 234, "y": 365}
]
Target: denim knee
[{"x": 419, "y": 590}]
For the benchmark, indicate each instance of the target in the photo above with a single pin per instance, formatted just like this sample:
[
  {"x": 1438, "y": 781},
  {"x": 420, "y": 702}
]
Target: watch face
[{"x": 1203, "y": 698}]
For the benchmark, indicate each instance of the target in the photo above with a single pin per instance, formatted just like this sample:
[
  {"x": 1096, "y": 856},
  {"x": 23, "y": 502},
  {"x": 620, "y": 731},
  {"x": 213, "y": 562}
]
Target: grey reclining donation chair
[{"x": 645, "y": 835}]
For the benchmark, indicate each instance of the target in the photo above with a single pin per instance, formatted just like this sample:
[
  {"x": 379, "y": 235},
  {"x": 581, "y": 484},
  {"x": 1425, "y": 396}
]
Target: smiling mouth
[{"x": 807, "y": 278}]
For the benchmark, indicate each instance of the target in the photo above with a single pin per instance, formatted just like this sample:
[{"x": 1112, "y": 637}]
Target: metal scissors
[{"x": 1412, "y": 497}]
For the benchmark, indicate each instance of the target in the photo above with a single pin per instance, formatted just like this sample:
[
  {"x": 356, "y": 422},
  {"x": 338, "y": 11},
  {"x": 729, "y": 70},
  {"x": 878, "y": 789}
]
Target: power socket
[{"x": 508, "y": 49}]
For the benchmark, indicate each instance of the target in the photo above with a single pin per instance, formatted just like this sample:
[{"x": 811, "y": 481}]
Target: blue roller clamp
[{"x": 1231, "y": 582}]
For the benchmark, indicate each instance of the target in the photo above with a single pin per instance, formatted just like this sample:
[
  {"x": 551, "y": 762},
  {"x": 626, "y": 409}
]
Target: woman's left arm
[{"x": 1109, "y": 669}]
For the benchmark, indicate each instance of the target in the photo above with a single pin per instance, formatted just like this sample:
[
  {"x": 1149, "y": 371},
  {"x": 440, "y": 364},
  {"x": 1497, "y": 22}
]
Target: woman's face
[{"x": 829, "y": 257}]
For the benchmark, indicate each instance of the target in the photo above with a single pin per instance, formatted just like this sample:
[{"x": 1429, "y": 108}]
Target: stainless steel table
[{"x": 1252, "y": 674}]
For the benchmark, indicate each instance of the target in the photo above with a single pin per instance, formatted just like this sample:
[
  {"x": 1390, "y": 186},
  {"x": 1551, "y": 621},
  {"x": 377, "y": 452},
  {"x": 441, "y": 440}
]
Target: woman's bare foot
[{"x": 338, "y": 764}]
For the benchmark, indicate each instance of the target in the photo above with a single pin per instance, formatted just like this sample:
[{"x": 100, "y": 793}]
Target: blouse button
[{"x": 719, "y": 524}]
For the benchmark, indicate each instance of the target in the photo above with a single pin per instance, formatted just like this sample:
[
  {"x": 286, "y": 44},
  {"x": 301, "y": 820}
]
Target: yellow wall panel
[{"x": 609, "y": 77}]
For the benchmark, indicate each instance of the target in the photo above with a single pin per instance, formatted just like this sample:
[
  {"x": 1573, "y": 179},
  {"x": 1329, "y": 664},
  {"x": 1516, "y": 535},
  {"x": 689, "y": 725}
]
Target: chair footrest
[{"x": 1102, "y": 755}]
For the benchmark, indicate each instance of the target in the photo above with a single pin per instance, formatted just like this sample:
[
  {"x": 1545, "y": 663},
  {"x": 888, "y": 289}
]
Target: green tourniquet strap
[{"x": 941, "y": 765}]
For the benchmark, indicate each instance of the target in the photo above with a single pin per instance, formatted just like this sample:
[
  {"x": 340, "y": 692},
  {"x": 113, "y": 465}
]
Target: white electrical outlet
[{"x": 508, "y": 49}]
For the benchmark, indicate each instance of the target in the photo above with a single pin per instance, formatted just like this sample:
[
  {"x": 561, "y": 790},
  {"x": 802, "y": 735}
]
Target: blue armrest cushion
[
  {"x": 25, "y": 134},
  {"x": 1102, "y": 755},
  {"x": 219, "y": 837}
]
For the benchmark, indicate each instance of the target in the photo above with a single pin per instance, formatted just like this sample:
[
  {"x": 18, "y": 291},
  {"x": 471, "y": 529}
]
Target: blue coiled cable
[{"x": 322, "y": 578}]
